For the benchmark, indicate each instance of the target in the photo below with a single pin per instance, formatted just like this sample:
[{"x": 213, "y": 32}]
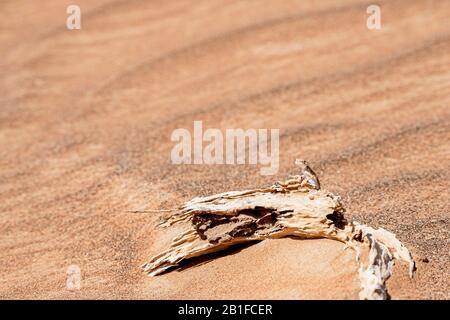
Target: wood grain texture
[{"x": 86, "y": 118}]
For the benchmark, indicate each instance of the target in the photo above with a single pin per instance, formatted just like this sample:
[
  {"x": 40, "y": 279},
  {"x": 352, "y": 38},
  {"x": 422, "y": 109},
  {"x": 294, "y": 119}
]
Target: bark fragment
[{"x": 296, "y": 207}]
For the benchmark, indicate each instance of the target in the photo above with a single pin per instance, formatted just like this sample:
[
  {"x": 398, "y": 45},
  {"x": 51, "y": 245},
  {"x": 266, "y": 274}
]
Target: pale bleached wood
[{"x": 292, "y": 208}]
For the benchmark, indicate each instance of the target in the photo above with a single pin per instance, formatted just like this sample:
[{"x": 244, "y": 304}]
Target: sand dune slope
[{"x": 86, "y": 117}]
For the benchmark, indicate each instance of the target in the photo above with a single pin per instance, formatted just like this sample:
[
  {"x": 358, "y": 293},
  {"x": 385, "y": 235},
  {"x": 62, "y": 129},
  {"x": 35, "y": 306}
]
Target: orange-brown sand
[{"x": 86, "y": 117}]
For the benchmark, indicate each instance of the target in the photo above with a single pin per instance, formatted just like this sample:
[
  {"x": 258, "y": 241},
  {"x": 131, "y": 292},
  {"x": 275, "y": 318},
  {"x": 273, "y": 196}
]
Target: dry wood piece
[{"x": 296, "y": 207}]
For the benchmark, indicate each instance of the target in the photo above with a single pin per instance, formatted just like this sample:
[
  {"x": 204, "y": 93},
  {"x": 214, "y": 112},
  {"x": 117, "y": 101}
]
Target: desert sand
[{"x": 86, "y": 118}]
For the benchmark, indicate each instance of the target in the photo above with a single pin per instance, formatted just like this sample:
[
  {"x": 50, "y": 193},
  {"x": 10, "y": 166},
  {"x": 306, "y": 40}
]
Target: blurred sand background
[{"x": 86, "y": 117}]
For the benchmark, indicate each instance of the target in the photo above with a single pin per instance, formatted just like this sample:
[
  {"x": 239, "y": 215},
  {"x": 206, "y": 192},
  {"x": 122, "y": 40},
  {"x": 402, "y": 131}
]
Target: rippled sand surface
[{"x": 86, "y": 117}]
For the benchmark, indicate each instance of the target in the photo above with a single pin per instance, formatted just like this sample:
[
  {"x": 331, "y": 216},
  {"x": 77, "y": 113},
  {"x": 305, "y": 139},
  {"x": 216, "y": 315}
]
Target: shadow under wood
[
  {"x": 201, "y": 260},
  {"x": 233, "y": 249}
]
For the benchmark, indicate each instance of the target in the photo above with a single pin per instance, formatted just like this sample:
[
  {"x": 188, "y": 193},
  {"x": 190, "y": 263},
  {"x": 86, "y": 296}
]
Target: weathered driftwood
[{"x": 296, "y": 207}]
